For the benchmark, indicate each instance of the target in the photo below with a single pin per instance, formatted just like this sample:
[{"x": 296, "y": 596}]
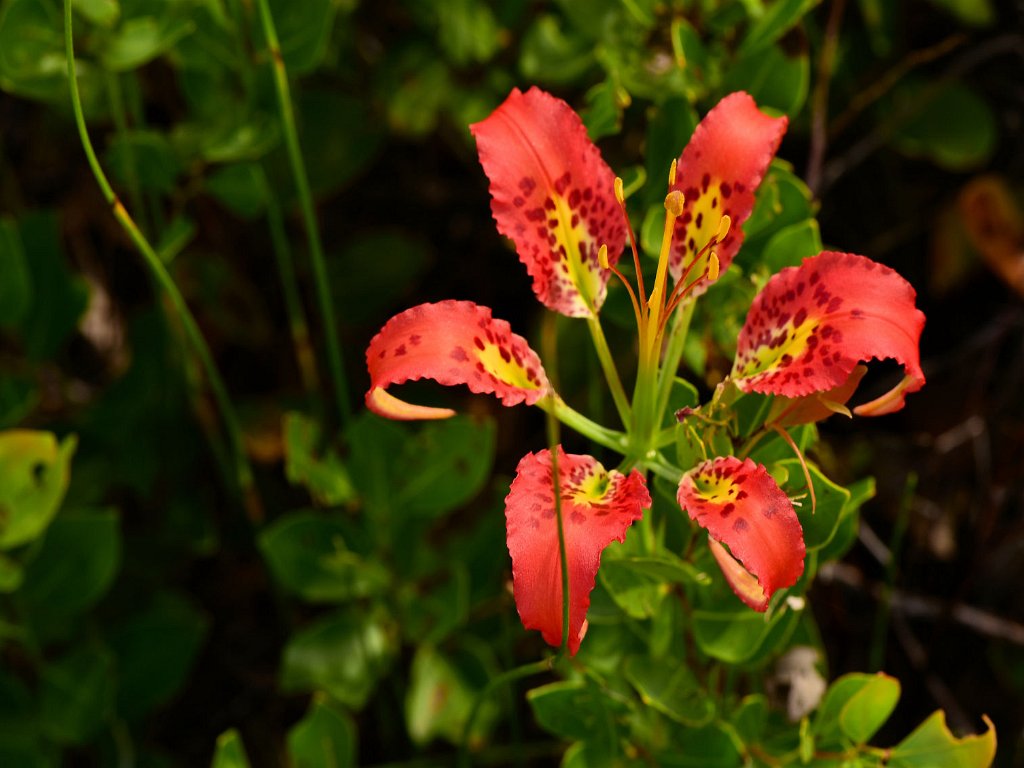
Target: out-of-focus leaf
[
  {"x": 994, "y": 224},
  {"x": 16, "y": 285},
  {"x": 741, "y": 635},
  {"x": 950, "y": 124},
  {"x": 139, "y": 40},
  {"x": 711, "y": 746},
  {"x": 11, "y": 574},
  {"x": 976, "y": 13},
  {"x": 549, "y": 54},
  {"x": 575, "y": 710},
  {"x": 340, "y": 137},
  {"x": 670, "y": 687},
  {"x": 790, "y": 245},
  {"x": 343, "y": 655},
  {"x": 442, "y": 692},
  {"x": 75, "y": 567},
  {"x": 230, "y": 752},
  {"x": 18, "y": 396},
  {"x": 34, "y": 475},
  {"x": 779, "y": 18},
  {"x": 932, "y": 744},
  {"x": 776, "y": 79},
  {"x": 155, "y": 649},
  {"x": 468, "y": 30},
  {"x": 77, "y": 694},
  {"x": 603, "y": 115},
  {"x": 415, "y": 105},
  {"x": 312, "y": 464},
  {"x": 324, "y": 738},
  {"x": 175, "y": 238},
  {"x": 32, "y": 61},
  {"x": 307, "y": 555},
  {"x": 429, "y": 615},
  {"x": 103, "y": 13},
  {"x": 303, "y": 31},
  {"x": 239, "y": 187}
]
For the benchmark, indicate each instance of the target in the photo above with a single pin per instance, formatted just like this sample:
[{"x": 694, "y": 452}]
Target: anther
[
  {"x": 713, "y": 267},
  {"x": 672, "y": 174},
  {"x": 619, "y": 194},
  {"x": 602, "y": 256},
  {"x": 674, "y": 201},
  {"x": 723, "y": 228}
]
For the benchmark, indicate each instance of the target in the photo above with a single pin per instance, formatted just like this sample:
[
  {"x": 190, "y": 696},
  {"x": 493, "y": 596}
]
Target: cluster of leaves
[{"x": 381, "y": 570}]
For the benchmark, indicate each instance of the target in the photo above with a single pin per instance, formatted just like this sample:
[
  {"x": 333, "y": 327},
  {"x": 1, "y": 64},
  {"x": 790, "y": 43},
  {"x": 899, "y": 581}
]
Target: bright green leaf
[
  {"x": 790, "y": 245},
  {"x": 104, "y": 13},
  {"x": 324, "y": 738},
  {"x": 230, "y": 751},
  {"x": 553, "y": 55},
  {"x": 34, "y": 475},
  {"x": 868, "y": 709},
  {"x": 932, "y": 744},
  {"x": 139, "y": 40},
  {"x": 443, "y": 690},
  {"x": 781, "y": 16},
  {"x": 774, "y": 78}
]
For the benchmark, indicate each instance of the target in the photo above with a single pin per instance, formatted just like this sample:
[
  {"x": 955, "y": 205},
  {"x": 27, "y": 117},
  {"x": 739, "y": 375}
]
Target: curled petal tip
[
  {"x": 381, "y": 402},
  {"x": 893, "y": 400}
]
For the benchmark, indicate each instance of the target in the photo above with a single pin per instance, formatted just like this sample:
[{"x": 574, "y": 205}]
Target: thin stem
[
  {"x": 610, "y": 371},
  {"x": 304, "y": 357},
  {"x": 316, "y": 252},
  {"x": 575, "y": 420},
  {"x": 243, "y": 470},
  {"x": 673, "y": 355},
  {"x": 819, "y": 98}
]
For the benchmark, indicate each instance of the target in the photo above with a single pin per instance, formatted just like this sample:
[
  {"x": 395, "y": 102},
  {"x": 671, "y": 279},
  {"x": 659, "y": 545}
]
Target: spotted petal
[
  {"x": 452, "y": 342},
  {"x": 812, "y": 324},
  {"x": 718, "y": 173},
  {"x": 554, "y": 196},
  {"x": 740, "y": 505},
  {"x": 597, "y": 508}
]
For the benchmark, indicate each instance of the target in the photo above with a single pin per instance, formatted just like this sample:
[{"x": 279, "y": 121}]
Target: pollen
[
  {"x": 713, "y": 267},
  {"x": 602, "y": 256},
  {"x": 674, "y": 201},
  {"x": 723, "y": 228},
  {"x": 619, "y": 193},
  {"x": 672, "y": 174}
]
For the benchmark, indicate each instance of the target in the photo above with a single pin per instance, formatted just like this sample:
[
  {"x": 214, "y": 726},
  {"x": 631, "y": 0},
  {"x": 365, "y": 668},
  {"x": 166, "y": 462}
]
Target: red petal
[
  {"x": 717, "y": 174},
  {"x": 740, "y": 505},
  {"x": 791, "y": 412},
  {"x": 811, "y": 325},
  {"x": 597, "y": 508},
  {"x": 554, "y": 196},
  {"x": 452, "y": 342}
]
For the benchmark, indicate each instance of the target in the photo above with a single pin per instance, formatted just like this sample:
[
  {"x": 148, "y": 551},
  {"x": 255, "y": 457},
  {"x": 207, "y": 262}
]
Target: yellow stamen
[
  {"x": 723, "y": 228},
  {"x": 674, "y": 202},
  {"x": 672, "y": 174},
  {"x": 619, "y": 194},
  {"x": 602, "y": 256},
  {"x": 713, "y": 267}
]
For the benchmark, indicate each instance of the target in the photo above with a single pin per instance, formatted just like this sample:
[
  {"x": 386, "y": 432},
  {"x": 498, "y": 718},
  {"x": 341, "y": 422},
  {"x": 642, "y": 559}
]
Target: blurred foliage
[{"x": 144, "y": 618}]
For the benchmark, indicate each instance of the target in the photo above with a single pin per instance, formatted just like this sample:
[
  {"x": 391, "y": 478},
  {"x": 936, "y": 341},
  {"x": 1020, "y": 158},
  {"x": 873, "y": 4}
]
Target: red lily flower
[
  {"x": 553, "y": 195},
  {"x": 741, "y": 506},
  {"x": 597, "y": 508},
  {"x": 811, "y": 325}
]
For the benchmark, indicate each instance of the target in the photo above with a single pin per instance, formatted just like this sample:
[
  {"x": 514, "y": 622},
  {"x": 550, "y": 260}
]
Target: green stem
[
  {"x": 611, "y": 373},
  {"x": 304, "y": 357},
  {"x": 316, "y": 251},
  {"x": 673, "y": 354},
  {"x": 243, "y": 470},
  {"x": 575, "y": 420}
]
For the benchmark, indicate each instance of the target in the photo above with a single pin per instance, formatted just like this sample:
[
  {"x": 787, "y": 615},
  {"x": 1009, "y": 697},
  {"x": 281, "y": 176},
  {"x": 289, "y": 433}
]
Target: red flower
[
  {"x": 740, "y": 505},
  {"x": 597, "y": 508},
  {"x": 811, "y": 325}
]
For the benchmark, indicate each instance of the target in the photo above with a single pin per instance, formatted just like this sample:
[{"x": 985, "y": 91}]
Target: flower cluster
[{"x": 803, "y": 340}]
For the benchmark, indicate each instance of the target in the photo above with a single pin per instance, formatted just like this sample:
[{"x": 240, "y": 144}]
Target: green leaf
[
  {"x": 34, "y": 475},
  {"x": 16, "y": 286},
  {"x": 950, "y": 125},
  {"x": 751, "y": 410},
  {"x": 668, "y": 686},
  {"x": 575, "y": 710},
  {"x": 312, "y": 463},
  {"x": 75, "y": 567},
  {"x": 341, "y": 137},
  {"x": 750, "y": 718},
  {"x": 932, "y": 744},
  {"x": 324, "y": 738},
  {"x": 77, "y": 694},
  {"x": 976, "y": 13},
  {"x": 303, "y": 31},
  {"x": 781, "y": 16},
  {"x": 741, "y": 635},
  {"x": 637, "y": 593},
  {"x": 468, "y": 31},
  {"x": 443, "y": 690},
  {"x": 774, "y": 78},
  {"x": 240, "y": 188},
  {"x": 551, "y": 55},
  {"x": 712, "y": 746},
  {"x": 790, "y": 245},
  {"x": 820, "y": 525},
  {"x": 429, "y": 615},
  {"x": 445, "y": 465},
  {"x": 603, "y": 115},
  {"x": 175, "y": 238},
  {"x": 868, "y": 709},
  {"x": 103, "y": 13},
  {"x": 343, "y": 655},
  {"x": 18, "y": 396},
  {"x": 230, "y": 751},
  {"x": 32, "y": 59},
  {"x": 11, "y": 574},
  {"x": 155, "y": 650},
  {"x": 139, "y": 40},
  {"x": 307, "y": 555}
]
